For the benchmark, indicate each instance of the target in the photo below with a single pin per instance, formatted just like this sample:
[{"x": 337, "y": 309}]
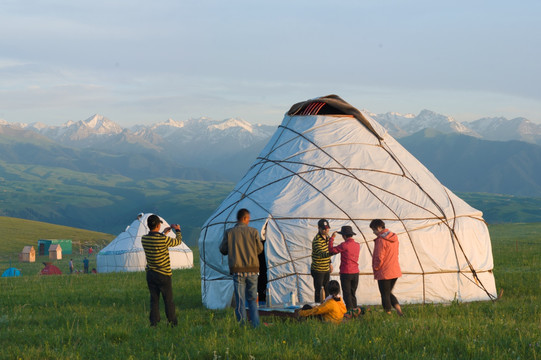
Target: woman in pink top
[
  {"x": 349, "y": 264},
  {"x": 385, "y": 264}
]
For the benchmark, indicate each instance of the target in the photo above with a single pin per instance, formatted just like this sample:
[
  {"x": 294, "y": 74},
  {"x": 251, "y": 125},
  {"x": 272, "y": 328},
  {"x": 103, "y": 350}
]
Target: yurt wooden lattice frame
[{"x": 328, "y": 138}]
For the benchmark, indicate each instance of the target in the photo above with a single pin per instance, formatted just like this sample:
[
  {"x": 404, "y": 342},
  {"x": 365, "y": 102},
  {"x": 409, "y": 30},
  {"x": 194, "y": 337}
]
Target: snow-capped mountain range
[
  {"x": 86, "y": 133},
  {"x": 221, "y": 146},
  {"x": 229, "y": 146},
  {"x": 95, "y": 129},
  {"x": 497, "y": 129}
]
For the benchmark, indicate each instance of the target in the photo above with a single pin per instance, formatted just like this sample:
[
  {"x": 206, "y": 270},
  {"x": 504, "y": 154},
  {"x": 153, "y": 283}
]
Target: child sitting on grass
[{"x": 332, "y": 309}]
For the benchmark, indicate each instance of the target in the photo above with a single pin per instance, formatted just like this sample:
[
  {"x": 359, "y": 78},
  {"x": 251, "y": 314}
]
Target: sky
[{"x": 142, "y": 62}]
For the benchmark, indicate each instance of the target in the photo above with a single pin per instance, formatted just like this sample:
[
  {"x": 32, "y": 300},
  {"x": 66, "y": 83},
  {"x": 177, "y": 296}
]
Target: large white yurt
[
  {"x": 329, "y": 160},
  {"x": 125, "y": 252}
]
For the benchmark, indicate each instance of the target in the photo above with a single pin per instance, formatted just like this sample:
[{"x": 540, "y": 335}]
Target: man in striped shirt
[
  {"x": 156, "y": 246},
  {"x": 321, "y": 259}
]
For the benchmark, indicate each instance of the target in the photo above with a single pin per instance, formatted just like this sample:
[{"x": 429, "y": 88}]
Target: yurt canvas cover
[
  {"x": 330, "y": 160},
  {"x": 125, "y": 252}
]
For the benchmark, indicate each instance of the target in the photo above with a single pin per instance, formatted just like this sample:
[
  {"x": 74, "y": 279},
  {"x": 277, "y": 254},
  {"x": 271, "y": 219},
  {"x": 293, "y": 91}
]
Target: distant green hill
[
  {"x": 104, "y": 192},
  {"x": 17, "y": 233},
  {"x": 19, "y": 155},
  {"x": 106, "y": 203},
  {"x": 499, "y": 209},
  {"x": 467, "y": 164}
]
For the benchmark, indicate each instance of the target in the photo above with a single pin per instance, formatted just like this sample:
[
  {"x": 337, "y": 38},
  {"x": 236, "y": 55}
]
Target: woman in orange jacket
[{"x": 385, "y": 264}]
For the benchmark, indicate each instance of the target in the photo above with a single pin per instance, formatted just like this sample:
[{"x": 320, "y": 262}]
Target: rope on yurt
[
  {"x": 279, "y": 163},
  {"x": 444, "y": 219},
  {"x": 474, "y": 273},
  {"x": 231, "y": 207},
  {"x": 408, "y": 175},
  {"x": 263, "y": 160},
  {"x": 242, "y": 185},
  {"x": 367, "y": 188},
  {"x": 295, "y": 272},
  {"x": 245, "y": 195}
]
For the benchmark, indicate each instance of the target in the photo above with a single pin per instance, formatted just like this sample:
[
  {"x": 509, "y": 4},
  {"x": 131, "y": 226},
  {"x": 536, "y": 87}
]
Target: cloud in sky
[{"x": 141, "y": 62}]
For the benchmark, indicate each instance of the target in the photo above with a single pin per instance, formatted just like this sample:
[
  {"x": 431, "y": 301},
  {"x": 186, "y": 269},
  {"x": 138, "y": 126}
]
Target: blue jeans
[{"x": 246, "y": 291}]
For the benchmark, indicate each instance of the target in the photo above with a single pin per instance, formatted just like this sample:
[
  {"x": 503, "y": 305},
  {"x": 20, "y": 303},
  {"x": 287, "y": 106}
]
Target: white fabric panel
[
  {"x": 126, "y": 253},
  {"x": 480, "y": 252},
  {"x": 470, "y": 291},
  {"x": 218, "y": 294},
  {"x": 305, "y": 292},
  {"x": 294, "y": 150},
  {"x": 338, "y": 170},
  {"x": 210, "y": 252},
  {"x": 434, "y": 249},
  {"x": 338, "y": 130},
  {"x": 380, "y": 129},
  {"x": 441, "y": 287},
  {"x": 363, "y": 157}
]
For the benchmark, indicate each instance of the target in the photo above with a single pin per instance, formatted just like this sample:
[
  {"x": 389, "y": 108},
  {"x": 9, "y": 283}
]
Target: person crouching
[{"x": 332, "y": 309}]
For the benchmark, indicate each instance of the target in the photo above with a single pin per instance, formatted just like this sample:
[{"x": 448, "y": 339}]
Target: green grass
[
  {"x": 105, "y": 316},
  {"x": 17, "y": 233}
]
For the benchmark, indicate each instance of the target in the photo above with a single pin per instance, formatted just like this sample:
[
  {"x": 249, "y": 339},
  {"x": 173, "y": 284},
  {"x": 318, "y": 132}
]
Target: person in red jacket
[
  {"x": 385, "y": 264},
  {"x": 349, "y": 264}
]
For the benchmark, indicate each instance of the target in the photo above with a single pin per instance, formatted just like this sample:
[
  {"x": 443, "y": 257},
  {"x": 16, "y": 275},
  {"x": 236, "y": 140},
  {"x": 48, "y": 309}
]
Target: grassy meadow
[
  {"x": 17, "y": 233},
  {"x": 106, "y": 203},
  {"x": 105, "y": 316}
]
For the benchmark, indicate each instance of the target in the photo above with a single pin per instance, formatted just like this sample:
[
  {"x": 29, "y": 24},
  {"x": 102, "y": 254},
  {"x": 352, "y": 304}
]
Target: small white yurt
[
  {"x": 329, "y": 160},
  {"x": 125, "y": 252}
]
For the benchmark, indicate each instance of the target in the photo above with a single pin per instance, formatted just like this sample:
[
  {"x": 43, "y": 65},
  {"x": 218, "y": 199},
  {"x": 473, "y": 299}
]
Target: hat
[
  {"x": 153, "y": 221},
  {"x": 346, "y": 231},
  {"x": 323, "y": 224}
]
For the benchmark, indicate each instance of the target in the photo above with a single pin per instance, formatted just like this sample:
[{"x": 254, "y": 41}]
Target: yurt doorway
[{"x": 263, "y": 279}]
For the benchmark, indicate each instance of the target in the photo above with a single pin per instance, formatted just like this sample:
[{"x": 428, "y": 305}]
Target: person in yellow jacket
[{"x": 332, "y": 309}]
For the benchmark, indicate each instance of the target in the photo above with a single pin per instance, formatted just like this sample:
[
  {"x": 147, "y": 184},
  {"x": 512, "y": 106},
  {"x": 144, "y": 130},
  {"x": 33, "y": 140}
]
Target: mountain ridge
[
  {"x": 397, "y": 124},
  {"x": 224, "y": 149},
  {"x": 184, "y": 169},
  {"x": 468, "y": 164}
]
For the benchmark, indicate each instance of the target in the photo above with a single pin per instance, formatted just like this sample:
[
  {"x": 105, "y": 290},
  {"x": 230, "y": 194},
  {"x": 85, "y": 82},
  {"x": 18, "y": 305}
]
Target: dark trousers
[
  {"x": 159, "y": 283},
  {"x": 349, "y": 288},
  {"x": 321, "y": 279},
  {"x": 388, "y": 300}
]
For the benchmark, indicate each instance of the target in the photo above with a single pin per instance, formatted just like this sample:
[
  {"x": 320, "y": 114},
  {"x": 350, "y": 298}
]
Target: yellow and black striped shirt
[
  {"x": 156, "y": 246},
  {"x": 321, "y": 257}
]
